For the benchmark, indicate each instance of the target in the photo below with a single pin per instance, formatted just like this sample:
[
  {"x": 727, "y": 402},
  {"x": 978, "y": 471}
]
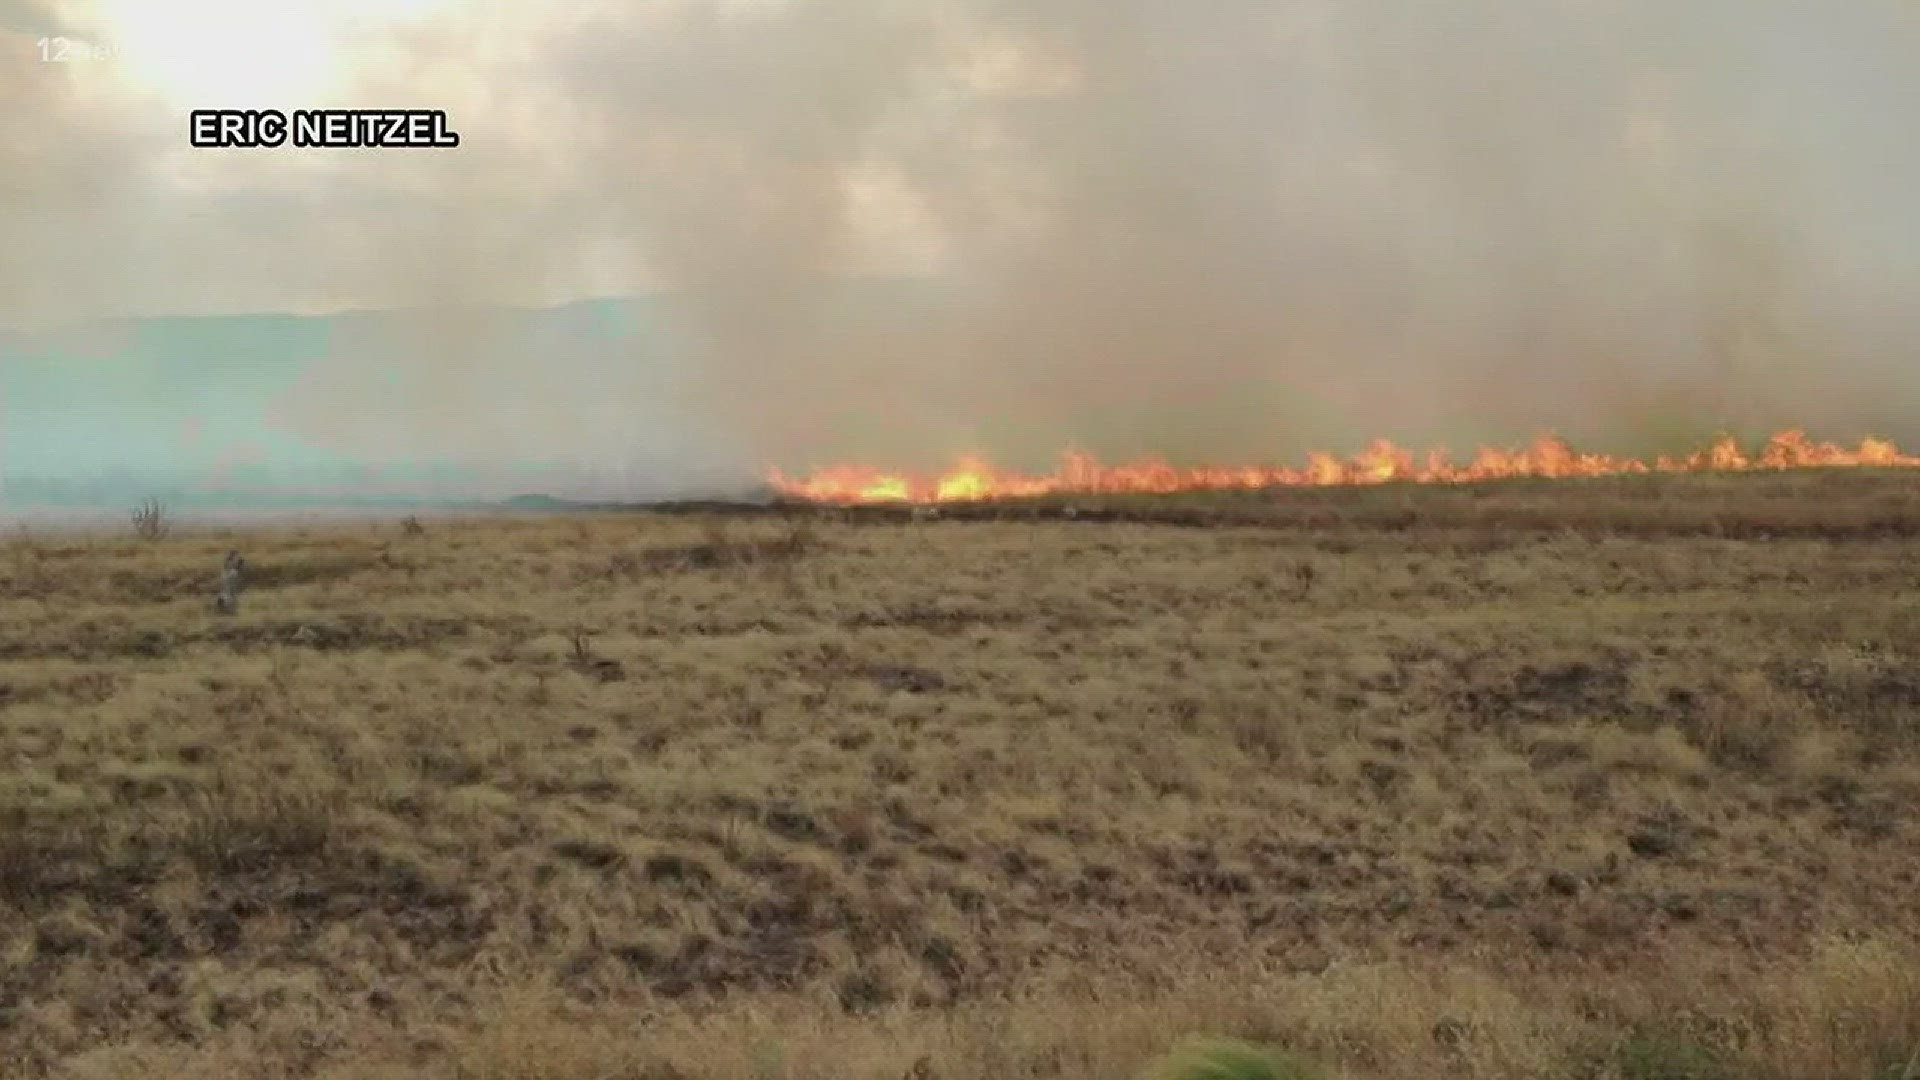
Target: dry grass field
[{"x": 1564, "y": 779}]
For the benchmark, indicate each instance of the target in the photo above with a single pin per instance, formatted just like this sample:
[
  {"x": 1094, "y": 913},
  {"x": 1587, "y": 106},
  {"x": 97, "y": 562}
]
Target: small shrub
[
  {"x": 1229, "y": 1059},
  {"x": 30, "y": 864},
  {"x": 150, "y": 520},
  {"x": 246, "y": 834},
  {"x": 865, "y": 991},
  {"x": 591, "y": 853},
  {"x": 721, "y": 546}
]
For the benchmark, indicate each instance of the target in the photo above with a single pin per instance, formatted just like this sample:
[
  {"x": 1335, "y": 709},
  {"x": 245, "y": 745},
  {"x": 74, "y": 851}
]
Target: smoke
[
  {"x": 1233, "y": 230},
  {"x": 902, "y": 229}
]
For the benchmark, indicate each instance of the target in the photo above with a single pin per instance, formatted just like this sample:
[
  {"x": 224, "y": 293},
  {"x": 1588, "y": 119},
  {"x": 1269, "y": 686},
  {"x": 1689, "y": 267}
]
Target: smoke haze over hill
[{"x": 902, "y": 230}]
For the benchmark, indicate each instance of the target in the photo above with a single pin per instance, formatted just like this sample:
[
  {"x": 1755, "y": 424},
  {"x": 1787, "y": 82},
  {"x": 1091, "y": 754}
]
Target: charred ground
[{"x": 1504, "y": 780}]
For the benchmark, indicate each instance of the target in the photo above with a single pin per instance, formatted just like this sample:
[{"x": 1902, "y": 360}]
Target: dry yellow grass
[{"x": 1569, "y": 780}]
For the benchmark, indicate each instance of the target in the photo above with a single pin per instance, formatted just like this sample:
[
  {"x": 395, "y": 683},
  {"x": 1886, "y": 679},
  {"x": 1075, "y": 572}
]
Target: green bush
[
  {"x": 1663, "y": 1056},
  {"x": 1228, "y": 1059}
]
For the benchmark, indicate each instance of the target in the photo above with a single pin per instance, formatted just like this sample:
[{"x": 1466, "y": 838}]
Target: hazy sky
[{"x": 1220, "y": 230}]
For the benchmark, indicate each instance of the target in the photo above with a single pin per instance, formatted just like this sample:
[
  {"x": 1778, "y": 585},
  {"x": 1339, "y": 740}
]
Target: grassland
[{"x": 1595, "y": 779}]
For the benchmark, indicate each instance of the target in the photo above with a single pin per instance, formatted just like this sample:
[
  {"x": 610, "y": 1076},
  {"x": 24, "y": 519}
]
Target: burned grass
[{"x": 941, "y": 797}]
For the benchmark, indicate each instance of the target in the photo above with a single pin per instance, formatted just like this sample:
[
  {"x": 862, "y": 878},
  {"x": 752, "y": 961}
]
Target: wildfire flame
[{"x": 973, "y": 479}]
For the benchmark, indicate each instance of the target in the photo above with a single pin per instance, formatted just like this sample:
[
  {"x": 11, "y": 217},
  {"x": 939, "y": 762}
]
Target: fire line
[{"x": 972, "y": 479}]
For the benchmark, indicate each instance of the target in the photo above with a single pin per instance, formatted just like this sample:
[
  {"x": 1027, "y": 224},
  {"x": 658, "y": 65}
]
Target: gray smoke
[{"x": 901, "y": 229}]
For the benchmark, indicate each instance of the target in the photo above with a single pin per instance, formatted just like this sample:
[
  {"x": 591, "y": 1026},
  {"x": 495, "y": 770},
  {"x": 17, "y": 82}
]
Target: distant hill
[
  {"x": 194, "y": 408},
  {"x": 190, "y": 409}
]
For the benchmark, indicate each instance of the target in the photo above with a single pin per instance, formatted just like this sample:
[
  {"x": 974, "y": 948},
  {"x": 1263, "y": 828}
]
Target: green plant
[
  {"x": 1230, "y": 1059},
  {"x": 1653, "y": 1055}
]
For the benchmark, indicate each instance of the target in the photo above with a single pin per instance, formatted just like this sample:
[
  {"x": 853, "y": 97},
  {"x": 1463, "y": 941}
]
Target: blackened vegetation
[
  {"x": 1874, "y": 695},
  {"x": 1533, "y": 692},
  {"x": 911, "y": 680},
  {"x": 939, "y": 619},
  {"x": 1664, "y": 834},
  {"x": 1879, "y": 686},
  {"x": 273, "y": 849}
]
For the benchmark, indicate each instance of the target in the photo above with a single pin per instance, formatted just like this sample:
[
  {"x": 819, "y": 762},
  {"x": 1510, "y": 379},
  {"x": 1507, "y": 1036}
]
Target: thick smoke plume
[{"x": 901, "y": 229}]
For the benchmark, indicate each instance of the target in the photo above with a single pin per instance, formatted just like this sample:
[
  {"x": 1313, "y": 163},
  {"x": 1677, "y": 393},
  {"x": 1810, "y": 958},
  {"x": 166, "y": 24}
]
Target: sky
[{"x": 900, "y": 230}]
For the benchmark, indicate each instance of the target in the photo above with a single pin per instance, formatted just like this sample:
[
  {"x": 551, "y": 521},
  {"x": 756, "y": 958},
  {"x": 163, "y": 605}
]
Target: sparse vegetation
[{"x": 1609, "y": 780}]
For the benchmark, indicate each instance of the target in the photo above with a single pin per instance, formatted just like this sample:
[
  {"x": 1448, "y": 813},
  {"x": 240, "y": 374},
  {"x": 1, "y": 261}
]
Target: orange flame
[{"x": 973, "y": 479}]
